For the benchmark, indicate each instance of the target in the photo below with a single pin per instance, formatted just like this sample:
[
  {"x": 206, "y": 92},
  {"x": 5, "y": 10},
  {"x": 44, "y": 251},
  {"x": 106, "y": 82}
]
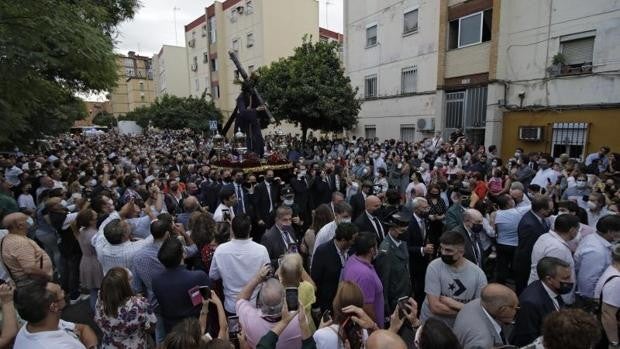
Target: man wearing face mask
[
  {"x": 555, "y": 244},
  {"x": 471, "y": 230},
  {"x": 281, "y": 238},
  {"x": 577, "y": 192},
  {"x": 545, "y": 175},
  {"x": 369, "y": 220},
  {"x": 392, "y": 264},
  {"x": 342, "y": 214},
  {"x": 596, "y": 208},
  {"x": 301, "y": 189},
  {"x": 541, "y": 298},
  {"x": 451, "y": 281},
  {"x": 532, "y": 225},
  {"x": 482, "y": 322}
]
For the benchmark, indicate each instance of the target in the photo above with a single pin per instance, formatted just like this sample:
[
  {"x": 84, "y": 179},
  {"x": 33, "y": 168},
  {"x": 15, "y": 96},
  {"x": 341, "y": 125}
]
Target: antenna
[{"x": 174, "y": 14}]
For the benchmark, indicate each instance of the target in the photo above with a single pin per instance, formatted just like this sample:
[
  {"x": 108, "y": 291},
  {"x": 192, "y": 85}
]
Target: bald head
[
  {"x": 191, "y": 204},
  {"x": 15, "y": 222},
  {"x": 383, "y": 339},
  {"x": 372, "y": 203},
  {"x": 499, "y": 301}
]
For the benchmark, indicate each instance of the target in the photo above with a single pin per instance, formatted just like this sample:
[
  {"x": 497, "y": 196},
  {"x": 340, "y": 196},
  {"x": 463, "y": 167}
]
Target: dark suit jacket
[
  {"x": 415, "y": 242},
  {"x": 272, "y": 240},
  {"x": 454, "y": 217},
  {"x": 325, "y": 271},
  {"x": 534, "y": 305},
  {"x": 358, "y": 204},
  {"x": 302, "y": 193},
  {"x": 320, "y": 192},
  {"x": 209, "y": 194},
  {"x": 261, "y": 202},
  {"x": 529, "y": 230},
  {"x": 470, "y": 254},
  {"x": 247, "y": 200},
  {"x": 364, "y": 224},
  {"x": 332, "y": 183}
]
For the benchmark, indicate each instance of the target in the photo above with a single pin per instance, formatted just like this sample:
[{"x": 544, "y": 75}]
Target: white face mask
[
  {"x": 345, "y": 220},
  {"x": 288, "y": 202},
  {"x": 592, "y": 205}
]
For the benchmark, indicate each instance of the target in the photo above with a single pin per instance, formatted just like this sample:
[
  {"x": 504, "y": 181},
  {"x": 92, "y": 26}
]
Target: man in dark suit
[
  {"x": 320, "y": 190},
  {"x": 541, "y": 298},
  {"x": 329, "y": 261},
  {"x": 244, "y": 199},
  {"x": 301, "y": 188},
  {"x": 421, "y": 250},
  {"x": 471, "y": 230},
  {"x": 367, "y": 221},
  {"x": 358, "y": 201},
  {"x": 267, "y": 195},
  {"x": 454, "y": 215},
  {"x": 336, "y": 182},
  {"x": 280, "y": 239},
  {"x": 531, "y": 227},
  {"x": 209, "y": 191}
]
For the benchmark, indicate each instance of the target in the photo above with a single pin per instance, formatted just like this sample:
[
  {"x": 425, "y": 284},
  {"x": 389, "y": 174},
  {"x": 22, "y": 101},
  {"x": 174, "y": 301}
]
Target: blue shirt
[
  {"x": 144, "y": 268},
  {"x": 171, "y": 289},
  {"x": 507, "y": 223},
  {"x": 592, "y": 257}
]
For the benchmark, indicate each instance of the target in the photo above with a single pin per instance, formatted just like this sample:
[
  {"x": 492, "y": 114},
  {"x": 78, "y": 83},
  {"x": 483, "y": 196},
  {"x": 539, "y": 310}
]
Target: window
[
  {"x": 250, "y": 40},
  {"x": 215, "y": 91},
  {"x": 141, "y": 86},
  {"x": 370, "y": 86},
  {"x": 197, "y": 82},
  {"x": 249, "y": 7},
  {"x": 410, "y": 22},
  {"x": 235, "y": 45},
  {"x": 409, "y": 78},
  {"x": 193, "y": 34},
  {"x": 212, "y": 29},
  {"x": 233, "y": 15},
  {"x": 467, "y": 109},
  {"x": 195, "y": 60},
  {"x": 370, "y": 131},
  {"x": 142, "y": 98},
  {"x": 569, "y": 138},
  {"x": 470, "y": 30},
  {"x": 407, "y": 133},
  {"x": 205, "y": 57},
  {"x": 203, "y": 32},
  {"x": 129, "y": 72},
  {"x": 371, "y": 36},
  {"x": 455, "y": 101},
  {"x": 214, "y": 64},
  {"x": 577, "y": 52}
]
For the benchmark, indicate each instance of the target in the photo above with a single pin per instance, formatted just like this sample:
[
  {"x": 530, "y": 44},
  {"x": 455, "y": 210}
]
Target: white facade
[
  {"x": 171, "y": 72},
  {"x": 403, "y": 58},
  {"x": 197, "y": 57},
  {"x": 528, "y": 45}
]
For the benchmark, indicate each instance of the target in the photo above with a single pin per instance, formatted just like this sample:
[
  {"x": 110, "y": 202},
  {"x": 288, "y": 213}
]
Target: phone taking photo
[
  {"x": 402, "y": 307},
  {"x": 205, "y": 292},
  {"x": 233, "y": 327},
  {"x": 292, "y": 298},
  {"x": 327, "y": 316}
]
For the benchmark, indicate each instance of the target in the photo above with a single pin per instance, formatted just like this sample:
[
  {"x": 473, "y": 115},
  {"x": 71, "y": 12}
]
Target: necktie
[
  {"x": 379, "y": 227},
  {"x": 560, "y": 301},
  {"x": 423, "y": 229},
  {"x": 477, "y": 248},
  {"x": 269, "y": 194},
  {"x": 240, "y": 196},
  {"x": 337, "y": 184},
  {"x": 502, "y": 336}
]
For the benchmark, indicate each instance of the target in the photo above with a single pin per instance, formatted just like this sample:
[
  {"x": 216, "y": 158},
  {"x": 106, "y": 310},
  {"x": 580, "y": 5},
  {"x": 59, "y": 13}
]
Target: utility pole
[{"x": 174, "y": 14}]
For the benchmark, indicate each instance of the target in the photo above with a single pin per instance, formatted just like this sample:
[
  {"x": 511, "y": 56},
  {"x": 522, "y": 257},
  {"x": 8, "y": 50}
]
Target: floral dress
[{"x": 128, "y": 329}]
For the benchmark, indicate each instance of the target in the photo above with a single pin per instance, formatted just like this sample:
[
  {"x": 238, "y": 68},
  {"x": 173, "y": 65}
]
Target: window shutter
[{"x": 578, "y": 51}]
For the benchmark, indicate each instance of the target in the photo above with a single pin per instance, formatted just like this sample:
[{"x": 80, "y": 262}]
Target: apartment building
[
  {"x": 171, "y": 73},
  {"x": 135, "y": 87},
  {"x": 558, "y": 76},
  {"x": 390, "y": 54},
  {"x": 260, "y": 32}
]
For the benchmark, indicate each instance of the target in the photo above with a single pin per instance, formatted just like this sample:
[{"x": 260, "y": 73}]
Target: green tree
[
  {"x": 310, "y": 89},
  {"x": 104, "y": 119},
  {"x": 50, "y": 50},
  {"x": 175, "y": 113}
]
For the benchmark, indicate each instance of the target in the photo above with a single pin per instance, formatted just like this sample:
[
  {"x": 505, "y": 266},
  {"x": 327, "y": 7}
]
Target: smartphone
[
  {"x": 233, "y": 327},
  {"x": 327, "y": 316},
  {"x": 402, "y": 308},
  {"x": 205, "y": 292},
  {"x": 292, "y": 298}
]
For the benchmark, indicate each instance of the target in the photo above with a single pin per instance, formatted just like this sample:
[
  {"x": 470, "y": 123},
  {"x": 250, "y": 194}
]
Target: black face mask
[
  {"x": 268, "y": 179},
  {"x": 565, "y": 287},
  {"x": 477, "y": 228},
  {"x": 448, "y": 259},
  {"x": 423, "y": 214}
]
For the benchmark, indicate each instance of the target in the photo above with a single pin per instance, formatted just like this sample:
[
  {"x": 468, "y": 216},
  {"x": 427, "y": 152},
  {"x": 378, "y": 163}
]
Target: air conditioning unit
[
  {"x": 240, "y": 10},
  {"x": 426, "y": 124},
  {"x": 530, "y": 133},
  {"x": 191, "y": 43},
  {"x": 194, "y": 67}
]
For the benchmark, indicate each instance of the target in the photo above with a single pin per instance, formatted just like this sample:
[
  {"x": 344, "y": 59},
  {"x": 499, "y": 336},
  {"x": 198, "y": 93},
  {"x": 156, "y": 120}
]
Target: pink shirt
[{"x": 255, "y": 327}]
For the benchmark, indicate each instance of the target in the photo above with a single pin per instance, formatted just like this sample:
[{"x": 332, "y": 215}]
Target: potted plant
[{"x": 557, "y": 64}]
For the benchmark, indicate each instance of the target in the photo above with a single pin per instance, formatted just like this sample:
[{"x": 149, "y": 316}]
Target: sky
[{"x": 154, "y": 24}]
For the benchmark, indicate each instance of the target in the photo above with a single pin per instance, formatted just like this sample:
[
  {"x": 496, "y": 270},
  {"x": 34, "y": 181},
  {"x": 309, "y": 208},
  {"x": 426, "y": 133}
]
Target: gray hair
[
  {"x": 416, "y": 202},
  {"x": 272, "y": 298},
  {"x": 517, "y": 185}
]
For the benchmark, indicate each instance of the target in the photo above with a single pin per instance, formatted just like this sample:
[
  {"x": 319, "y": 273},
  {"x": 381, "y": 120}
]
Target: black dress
[{"x": 249, "y": 122}]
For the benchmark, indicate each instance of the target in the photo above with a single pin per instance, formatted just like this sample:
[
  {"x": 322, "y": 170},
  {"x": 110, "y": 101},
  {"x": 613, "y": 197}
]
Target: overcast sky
[{"x": 154, "y": 24}]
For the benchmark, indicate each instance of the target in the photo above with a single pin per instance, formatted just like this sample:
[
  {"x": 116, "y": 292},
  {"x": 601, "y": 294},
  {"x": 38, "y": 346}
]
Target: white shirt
[
  {"x": 236, "y": 262},
  {"x": 327, "y": 337},
  {"x": 218, "y": 215},
  {"x": 542, "y": 175},
  {"x": 64, "y": 338},
  {"x": 325, "y": 234},
  {"x": 552, "y": 245},
  {"x": 26, "y": 201},
  {"x": 552, "y": 295},
  {"x": 496, "y": 326}
]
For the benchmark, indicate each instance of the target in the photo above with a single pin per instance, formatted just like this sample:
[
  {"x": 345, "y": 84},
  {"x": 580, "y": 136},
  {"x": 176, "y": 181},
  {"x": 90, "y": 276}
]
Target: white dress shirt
[
  {"x": 120, "y": 255},
  {"x": 324, "y": 235},
  {"x": 592, "y": 257},
  {"x": 552, "y": 245},
  {"x": 218, "y": 215}
]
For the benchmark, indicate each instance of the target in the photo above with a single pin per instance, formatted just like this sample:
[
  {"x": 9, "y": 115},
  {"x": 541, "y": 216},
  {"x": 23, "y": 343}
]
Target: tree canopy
[
  {"x": 175, "y": 113},
  {"x": 310, "y": 89},
  {"x": 50, "y": 50}
]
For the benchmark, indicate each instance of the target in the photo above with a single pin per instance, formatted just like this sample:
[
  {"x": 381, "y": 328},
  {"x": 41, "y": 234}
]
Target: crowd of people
[{"x": 361, "y": 244}]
